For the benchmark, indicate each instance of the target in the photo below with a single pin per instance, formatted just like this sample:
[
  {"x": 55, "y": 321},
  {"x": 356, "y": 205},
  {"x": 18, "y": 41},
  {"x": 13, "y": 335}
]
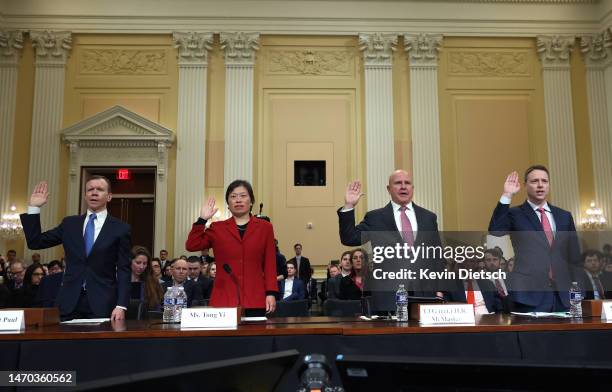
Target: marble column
[
  {"x": 11, "y": 45},
  {"x": 554, "y": 53},
  {"x": 377, "y": 52},
  {"x": 52, "y": 49},
  {"x": 422, "y": 51},
  {"x": 240, "y": 48},
  {"x": 597, "y": 53},
  {"x": 193, "y": 48}
]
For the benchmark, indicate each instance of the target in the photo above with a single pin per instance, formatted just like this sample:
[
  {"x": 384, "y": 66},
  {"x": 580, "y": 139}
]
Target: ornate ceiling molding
[
  {"x": 422, "y": 49},
  {"x": 597, "y": 49},
  {"x": 554, "y": 51}
]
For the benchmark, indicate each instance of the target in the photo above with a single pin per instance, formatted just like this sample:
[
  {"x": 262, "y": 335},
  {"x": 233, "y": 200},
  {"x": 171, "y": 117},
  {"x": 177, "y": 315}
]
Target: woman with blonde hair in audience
[{"x": 145, "y": 287}]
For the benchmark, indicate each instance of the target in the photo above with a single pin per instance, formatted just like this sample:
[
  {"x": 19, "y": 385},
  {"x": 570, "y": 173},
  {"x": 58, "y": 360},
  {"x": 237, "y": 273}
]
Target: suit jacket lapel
[
  {"x": 230, "y": 225},
  {"x": 533, "y": 218},
  {"x": 389, "y": 222},
  {"x": 418, "y": 212},
  {"x": 80, "y": 221},
  {"x": 106, "y": 228}
]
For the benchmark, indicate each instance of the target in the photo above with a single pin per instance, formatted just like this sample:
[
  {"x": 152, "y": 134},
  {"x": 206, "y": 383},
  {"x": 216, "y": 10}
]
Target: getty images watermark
[{"x": 427, "y": 253}]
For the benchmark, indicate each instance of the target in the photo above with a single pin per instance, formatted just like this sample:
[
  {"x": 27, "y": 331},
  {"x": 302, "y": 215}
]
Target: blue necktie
[{"x": 90, "y": 230}]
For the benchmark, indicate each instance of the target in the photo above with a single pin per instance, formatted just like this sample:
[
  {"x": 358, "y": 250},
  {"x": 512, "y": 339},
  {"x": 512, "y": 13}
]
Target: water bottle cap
[{"x": 574, "y": 282}]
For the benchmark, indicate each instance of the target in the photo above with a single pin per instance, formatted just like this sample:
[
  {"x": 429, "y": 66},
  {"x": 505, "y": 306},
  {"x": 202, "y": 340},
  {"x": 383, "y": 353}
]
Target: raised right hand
[
  {"x": 512, "y": 184},
  {"x": 40, "y": 195},
  {"x": 353, "y": 194},
  {"x": 208, "y": 209}
]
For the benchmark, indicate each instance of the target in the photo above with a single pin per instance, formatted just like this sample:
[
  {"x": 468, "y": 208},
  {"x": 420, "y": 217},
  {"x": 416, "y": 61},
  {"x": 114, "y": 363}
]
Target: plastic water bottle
[
  {"x": 169, "y": 306},
  {"x": 575, "y": 301},
  {"x": 180, "y": 303},
  {"x": 401, "y": 303}
]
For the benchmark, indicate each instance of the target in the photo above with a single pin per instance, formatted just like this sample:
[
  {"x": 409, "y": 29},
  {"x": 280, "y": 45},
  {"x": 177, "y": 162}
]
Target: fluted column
[
  {"x": 380, "y": 162},
  {"x": 240, "y": 51},
  {"x": 597, "y": 52},
  {"x": 191, "y": 131},
  {"x": 52, "y": 49},
  {"x": 11, "y": 44},
  {"x": 422, "y": 51},
  {"x": 554, "y": 53}
]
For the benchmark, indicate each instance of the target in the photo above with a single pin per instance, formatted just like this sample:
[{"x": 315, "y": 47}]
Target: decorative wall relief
[
  {"x": 501, "y": 64},
  {"x": 310, "y": 62},
  {"x": 123, "y": 62}
]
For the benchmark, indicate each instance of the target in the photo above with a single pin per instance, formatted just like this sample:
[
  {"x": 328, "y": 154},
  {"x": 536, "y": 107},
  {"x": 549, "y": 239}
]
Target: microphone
[
  {"x": 260, "y": 216},
  {"x": 260, "y": 208},
  {"x": 228, "y": 270}
]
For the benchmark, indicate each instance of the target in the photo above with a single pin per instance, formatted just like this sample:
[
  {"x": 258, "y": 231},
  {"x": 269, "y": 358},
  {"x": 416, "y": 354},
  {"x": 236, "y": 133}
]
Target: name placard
[
  {"x": 606, "y": 310},
  {"x": 446, "y": 314},
  {"x": 210, "y": 318},
  {"x": 12, "y": 320}
]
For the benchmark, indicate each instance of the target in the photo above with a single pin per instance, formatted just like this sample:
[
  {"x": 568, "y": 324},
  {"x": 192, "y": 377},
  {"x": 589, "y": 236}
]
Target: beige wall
[{"x": 491, "y": 120}]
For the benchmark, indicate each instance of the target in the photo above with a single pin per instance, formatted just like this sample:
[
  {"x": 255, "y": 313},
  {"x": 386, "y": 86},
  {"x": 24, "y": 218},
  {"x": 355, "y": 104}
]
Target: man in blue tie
[{"x": 96, "y": 283}]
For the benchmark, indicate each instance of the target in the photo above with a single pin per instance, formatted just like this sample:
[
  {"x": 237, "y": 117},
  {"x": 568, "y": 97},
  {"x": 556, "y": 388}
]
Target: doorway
[{"x": 133, "y": 199}]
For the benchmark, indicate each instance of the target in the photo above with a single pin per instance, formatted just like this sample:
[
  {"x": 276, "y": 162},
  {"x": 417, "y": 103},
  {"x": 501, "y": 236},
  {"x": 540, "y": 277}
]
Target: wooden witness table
[{"x": 107, "y": 350}]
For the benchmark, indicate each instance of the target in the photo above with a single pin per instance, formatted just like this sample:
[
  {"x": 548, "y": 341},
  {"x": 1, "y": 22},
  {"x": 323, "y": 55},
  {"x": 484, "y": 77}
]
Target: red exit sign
[{"x": 124, "y": 174}]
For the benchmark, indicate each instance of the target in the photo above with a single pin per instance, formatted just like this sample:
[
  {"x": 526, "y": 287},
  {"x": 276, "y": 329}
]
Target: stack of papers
[
  {"x": 86, "y": 321},
  {"x": 560, "y": 315}
]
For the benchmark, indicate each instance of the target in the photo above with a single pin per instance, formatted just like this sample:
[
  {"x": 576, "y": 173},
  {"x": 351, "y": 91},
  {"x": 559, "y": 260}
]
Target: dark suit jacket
[
  {"x": 192, "y": 289},
  {"x": 581, "y": 277},
  {"x": 348, "y": 289},
  {"x": 333, "y": 287},
  {"x": 206, "y": 285},
  {"x": 106, "y": 270},
  {"x": 297, "y": 291},
  {"x": 48, "y": 289},
  {"x": 304, "y": 271},
  {"x": 534, "y": 256},
  {"x": 378, "y": 227}
]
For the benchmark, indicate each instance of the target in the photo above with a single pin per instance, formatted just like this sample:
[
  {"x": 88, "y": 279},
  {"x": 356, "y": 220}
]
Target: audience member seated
[
  {"x": 510, "y": 265},
  {"x": 157, "y": 271},
  {"x": 333, "y": 283},
  {"x": 55, "y": 267},
  {"x": 179, "y": 278},
  {"x": 281, "y": 263},
  {"x": 590, "y": 278},
  {"x": 5, "y": 296},
  {"x": 333, "y": 270},
  {"x": 351, "y": 286},
  {"x": 195, "y": 275},
  {"x": 167, "y": 270},
  {"x": 211, "y": 273},
  {"x": 33, "y": 275},
  {"x": 16, "y": 275},
  {"x": 145, "y": 287},
  {"x": 291, "y": 288}
]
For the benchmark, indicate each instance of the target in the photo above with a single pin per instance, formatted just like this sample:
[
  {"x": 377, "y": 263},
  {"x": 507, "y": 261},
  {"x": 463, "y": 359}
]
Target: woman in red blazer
[{"x": 246, "y": 245}]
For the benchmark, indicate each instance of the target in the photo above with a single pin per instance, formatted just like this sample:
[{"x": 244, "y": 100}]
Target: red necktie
[
  {"x": 549, "y": 236},
  {"x": 500, "y": 289},
  {"x": 599, "y": 286},
  {"x": 471, "y": 299},
  {"x": 407, "y": 233}
]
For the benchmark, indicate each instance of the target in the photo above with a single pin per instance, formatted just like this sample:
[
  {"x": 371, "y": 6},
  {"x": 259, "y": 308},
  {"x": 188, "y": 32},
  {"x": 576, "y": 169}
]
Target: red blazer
[{"x": 252, "y": 259}]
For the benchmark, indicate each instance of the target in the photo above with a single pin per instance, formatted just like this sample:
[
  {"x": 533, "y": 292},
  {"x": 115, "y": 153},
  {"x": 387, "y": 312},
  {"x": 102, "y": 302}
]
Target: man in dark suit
[
  {"x": 195, "y": 275},
  {"x": 544, "y": 241},
  {"x": 400, "y": 222},
  {"x": 179, "y": 278},
  {"x": 304, "y": 270},
  {"x": 96, "y": 283},
  {"x": 590, "y": 278},
  {"x": 297, "y": 291},
  {"x": 48, "y": 289}
]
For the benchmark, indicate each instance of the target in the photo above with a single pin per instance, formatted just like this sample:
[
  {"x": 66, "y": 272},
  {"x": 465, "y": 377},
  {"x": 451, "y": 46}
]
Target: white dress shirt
[
  {"x": 397, "y": 214},
  {"x": 98, "y": 223},
  {"x": 480, "y": 307},
  {"x": 549, "y": 215},
  {"x": 288, "y": 287}
]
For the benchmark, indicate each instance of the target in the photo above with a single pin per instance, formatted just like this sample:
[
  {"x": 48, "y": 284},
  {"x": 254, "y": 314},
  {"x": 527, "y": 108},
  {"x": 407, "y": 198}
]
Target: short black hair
[
  {"x": 535, "y": 167},
  {"x": 293, "y": 263},
  {"x": 193, "y": 259},
  {"x": 296, "y": 245},
  {"x": 99, "y": 177},
  {"x": 495, "y": 252},
  {"x": 590, "y": 253},
  {"x": 53, "y": 263},
  {"x": 235, "y": 184},
  {"x": 11, "y": 251}
]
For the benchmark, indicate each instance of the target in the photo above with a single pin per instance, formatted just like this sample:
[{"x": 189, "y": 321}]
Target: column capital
[
  {"x": 597, "y": 49},
  {"x": 192, "y": 47},
  {"x": 240, "y": 47},
  {"x": 52, "y": 47},
  {"x": 422, "y": 49},
  {"x": 554, "y": 51},
  {"x": 377, "y": 48},
  {"x": 11, "y": 45}
]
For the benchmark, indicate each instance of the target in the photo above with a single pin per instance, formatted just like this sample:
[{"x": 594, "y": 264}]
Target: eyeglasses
[
  {"x": 238, "y": 196},
  {"x": 38, "y": 274}
]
